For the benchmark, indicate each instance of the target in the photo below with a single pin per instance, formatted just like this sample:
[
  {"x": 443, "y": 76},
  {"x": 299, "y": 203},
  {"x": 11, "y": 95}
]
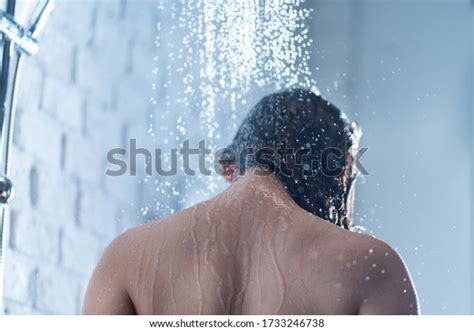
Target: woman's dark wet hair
[{"x": 309, "y": 144}]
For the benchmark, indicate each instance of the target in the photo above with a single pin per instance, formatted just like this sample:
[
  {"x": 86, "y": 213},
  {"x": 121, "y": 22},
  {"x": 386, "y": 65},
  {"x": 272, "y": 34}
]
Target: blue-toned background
[{"x": 402, "y": 69}]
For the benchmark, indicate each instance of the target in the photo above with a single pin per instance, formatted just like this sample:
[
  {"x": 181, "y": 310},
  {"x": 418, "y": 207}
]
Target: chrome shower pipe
[{"x": 17, "y": 41}]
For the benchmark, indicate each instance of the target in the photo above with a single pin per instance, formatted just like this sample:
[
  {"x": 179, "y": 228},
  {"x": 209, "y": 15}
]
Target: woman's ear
[{"x": 227, "y": 170}]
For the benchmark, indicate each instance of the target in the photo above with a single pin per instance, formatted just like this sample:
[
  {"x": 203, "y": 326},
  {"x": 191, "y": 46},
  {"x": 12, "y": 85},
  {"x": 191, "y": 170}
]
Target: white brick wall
[{"x": 80, "y": 96}]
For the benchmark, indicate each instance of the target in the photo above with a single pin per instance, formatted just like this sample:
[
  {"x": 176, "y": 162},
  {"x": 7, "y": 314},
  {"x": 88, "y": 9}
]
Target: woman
[{"x": 277, "y": 241}]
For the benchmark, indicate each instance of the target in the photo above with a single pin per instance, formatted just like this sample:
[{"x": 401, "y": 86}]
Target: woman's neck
[{"x": 258, "y": 188}]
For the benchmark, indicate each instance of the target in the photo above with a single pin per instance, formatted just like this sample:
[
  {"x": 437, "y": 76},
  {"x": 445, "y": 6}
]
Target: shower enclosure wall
[
  {"x": 16, "y": 41},
  {"x": 86, "y": 91}
]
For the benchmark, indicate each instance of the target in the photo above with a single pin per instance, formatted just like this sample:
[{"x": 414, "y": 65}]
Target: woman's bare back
[{"x": 255, "y": 252}]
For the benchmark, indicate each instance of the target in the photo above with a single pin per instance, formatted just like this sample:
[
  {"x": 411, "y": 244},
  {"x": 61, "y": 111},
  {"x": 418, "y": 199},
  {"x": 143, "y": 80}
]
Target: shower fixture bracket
[
  {"x": 21, "y": 37},
  {"x": 25, "y": 38}
]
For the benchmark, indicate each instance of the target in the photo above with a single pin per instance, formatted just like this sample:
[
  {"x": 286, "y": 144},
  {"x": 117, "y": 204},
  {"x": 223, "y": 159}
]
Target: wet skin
[{"x": 250, "y": 250}]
